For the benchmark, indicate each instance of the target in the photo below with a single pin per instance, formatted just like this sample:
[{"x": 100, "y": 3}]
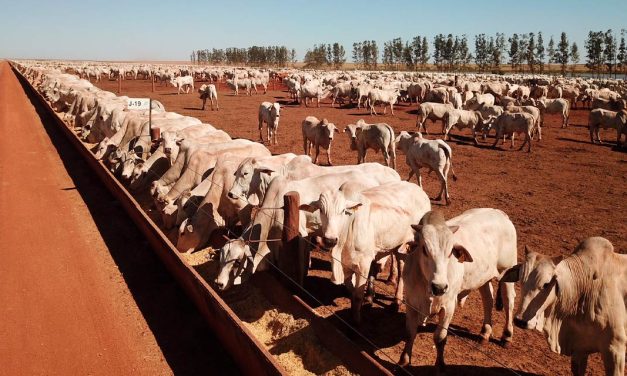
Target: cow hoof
[
  {"x": 404, "y": 360},
  {"x": 368, "y": 300}
]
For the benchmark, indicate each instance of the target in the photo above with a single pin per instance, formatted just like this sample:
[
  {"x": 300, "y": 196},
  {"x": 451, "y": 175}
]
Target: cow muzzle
[
  {"x": 328, "y": 243},
  {"x": 521, "y": 323},
  {"x": 438, "y": 289}
]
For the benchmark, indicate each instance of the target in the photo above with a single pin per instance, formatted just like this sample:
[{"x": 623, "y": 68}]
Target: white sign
[{"x": 138, "y": 103}]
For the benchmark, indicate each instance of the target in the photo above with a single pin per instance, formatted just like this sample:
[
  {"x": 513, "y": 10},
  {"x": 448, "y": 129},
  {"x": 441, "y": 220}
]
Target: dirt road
[{"x": 80, "y": 292}]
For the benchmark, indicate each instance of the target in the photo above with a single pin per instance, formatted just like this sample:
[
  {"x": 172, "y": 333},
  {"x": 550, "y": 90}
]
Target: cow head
[
  {"x": 335, "y": 213},
  {"x": 328, "y": 130},
  {"x": 247, "y": 174},
  {"x": 138, "y": 176},
  {"x": 539, "y": 284},
  {"x": 236, "y": 262},
  {"x": 275, "y": 113},
  {"x": 436, "y": 248},
  {"x": 351, "y": 131}
]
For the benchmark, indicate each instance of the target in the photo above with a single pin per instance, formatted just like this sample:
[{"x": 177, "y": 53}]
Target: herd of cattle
[{"x": 202, "y": 181}]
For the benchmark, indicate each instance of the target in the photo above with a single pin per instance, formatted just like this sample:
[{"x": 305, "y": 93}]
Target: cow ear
[
  {"x": 265, "y": 170},
  {"x": 453, "y": 228},
  {"x": 461, "y": 253},
  {"x": 189, "y": 228},
  {"x": 511, "y": 275},
  {"x": 336, "y": 130},
  {"x": 407, "y": 248},
  {"x": 528, "y": 251},
  {"x": 311, "y": 207},
  {"x": 179, "y": 141},
  {"x": 557, "y": 259},
  {"x": 353, "y": 206}
]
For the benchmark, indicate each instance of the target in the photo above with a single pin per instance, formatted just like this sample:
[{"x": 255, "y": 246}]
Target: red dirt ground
[
  {"x": 81, "y": 293},
  {"x": 564, "y": 191}
]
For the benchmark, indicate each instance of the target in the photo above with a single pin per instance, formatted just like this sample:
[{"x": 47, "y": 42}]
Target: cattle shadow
[
  {"x": 193, "y": 108},
  {"x": 453, "y": 370},
  {"x": 609, "y": 145},
  {"x": 185, "y": 339}
]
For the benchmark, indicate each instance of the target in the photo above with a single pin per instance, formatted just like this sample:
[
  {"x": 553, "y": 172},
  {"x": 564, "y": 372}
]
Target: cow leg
[
  {"x": 508, "y": 296},
  {"x": 411, "y": 327},
  {"x": 440, "y": 334},
  {"x": 260, "y": 128},
  {"x": 392, "y": 109},
  {"x": 578, "y": 364},
  {"x": 329, "y": 155},
  {"x": 317, "y": 153},
  {"x": 386, "y": 156},
  {"x": 358, "y": 292},
  {"x": 487, "y": 298},
  {"x": 400, "y": 283},
  {"x": 614, "y": 357},
  {"x": 443, "y": 186},
  {"x": 375, "y": 268}
]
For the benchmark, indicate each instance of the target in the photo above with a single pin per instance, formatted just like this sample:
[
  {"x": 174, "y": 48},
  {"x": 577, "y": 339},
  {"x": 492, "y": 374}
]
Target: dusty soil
[
  {"x": 564, "y": 191},
  {"x": 81, "y": 292}
]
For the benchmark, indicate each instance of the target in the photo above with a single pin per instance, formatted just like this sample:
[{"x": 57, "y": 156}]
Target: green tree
[
  {"x": 594, "y": 50},
  {"x": 550, "y": 53},
  {"x": 563, "y": 54},
  {"x": 481, "y": 52},
  {"x": 513, "y": 51},
  {"x": 621, "y": 58},
  {"x": 339, "y": 55},
  {"x": 609, "y": 53},
  {"x": 539, "y": 53},
  {"x": 574, "y": 55}
]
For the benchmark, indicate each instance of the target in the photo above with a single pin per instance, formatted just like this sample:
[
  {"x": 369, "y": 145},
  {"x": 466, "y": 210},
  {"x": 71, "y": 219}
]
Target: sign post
[{"x": 143, "y": 104}]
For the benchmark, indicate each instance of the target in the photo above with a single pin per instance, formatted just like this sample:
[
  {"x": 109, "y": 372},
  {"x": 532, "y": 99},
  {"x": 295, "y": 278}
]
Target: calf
[
  {"x": 372, "y": 136},
  {"x": 554, "y": 106},
  {"x": 318, "y": 133},
  {"x": 433, "y": 154},
  {"x": 269, "y": 113},
  {"x": 209, "y": 92},
  {"x": 449, "y": 259}
]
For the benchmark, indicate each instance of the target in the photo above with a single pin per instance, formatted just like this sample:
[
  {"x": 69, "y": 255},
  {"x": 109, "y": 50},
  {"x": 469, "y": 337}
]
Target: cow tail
[
  {"x": 392, "y": 144},
  {"x": 498, "y": 305},
  {"x": 447, "y": 151}
]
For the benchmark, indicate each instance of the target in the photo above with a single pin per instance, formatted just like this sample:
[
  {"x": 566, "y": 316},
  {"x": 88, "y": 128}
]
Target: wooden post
[
  {"x": 119, "y": 83},
  {"x": 292, "y": 258},
  {"x": 152, "y": 78}
]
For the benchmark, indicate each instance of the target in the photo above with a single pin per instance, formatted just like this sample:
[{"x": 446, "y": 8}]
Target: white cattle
[
  {"x": 313, "y": 90},
  {"x": 363, "y": 227},
  {"x": 183, "y": 83},
  {"x": 510, "y": 123},
  {"x": 209, "y": 92},
  {"x": 478, "y": 100},
  {"x": 385, "y": 97},
  {"x": 269, "y": 113},
  {"x": 599, "y": 118},
  {"x": 436, "y": 155},
  {"x": 377, "y": 137},
  {"x": 197, "y": 167},
  {"x": 464, "y": 119},
  {"x": 447, "y": 261},
  {"x": 267, "y": 224},
  {"x": 578, "y": 302},
  {"x": 433, "y": 112},
  {"x": 318, "y": 133}
]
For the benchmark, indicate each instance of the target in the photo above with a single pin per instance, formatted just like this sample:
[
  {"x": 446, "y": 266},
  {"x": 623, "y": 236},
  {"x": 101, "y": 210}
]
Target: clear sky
[{"x": 169, "y": 30}]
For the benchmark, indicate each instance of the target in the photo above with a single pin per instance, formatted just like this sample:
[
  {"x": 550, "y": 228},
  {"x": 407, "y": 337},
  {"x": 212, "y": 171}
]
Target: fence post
[
  {"x": 292, "y": 260},
  {"x": 119, "y": 83},
  {"x": 152, "y": 78}
]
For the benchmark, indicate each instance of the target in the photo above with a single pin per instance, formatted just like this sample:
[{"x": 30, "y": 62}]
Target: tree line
[
  {"x": 278, "y": 56},
  {"x": 523, "y": 52},
  {"x": 325, "y": 55}
]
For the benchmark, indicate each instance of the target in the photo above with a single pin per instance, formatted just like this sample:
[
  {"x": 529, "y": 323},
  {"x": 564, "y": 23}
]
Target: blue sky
[{"x": 169, "y": 30}]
